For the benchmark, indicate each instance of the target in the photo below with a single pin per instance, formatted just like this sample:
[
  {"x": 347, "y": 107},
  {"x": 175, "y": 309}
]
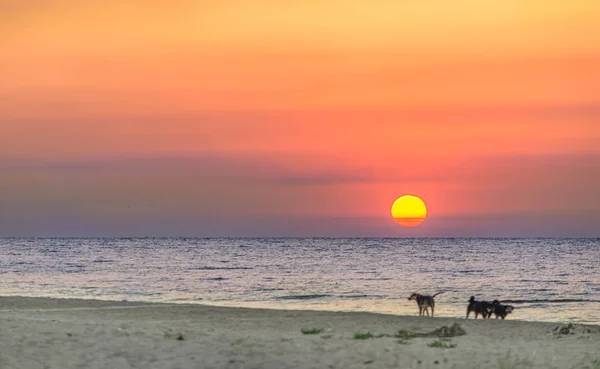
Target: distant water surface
[{"x": 545, "y": 279}]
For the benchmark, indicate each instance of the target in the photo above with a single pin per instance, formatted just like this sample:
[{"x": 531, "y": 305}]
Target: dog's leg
[
  {"x": 432, "y": 310},
  {"x": 468, "y": 312}
]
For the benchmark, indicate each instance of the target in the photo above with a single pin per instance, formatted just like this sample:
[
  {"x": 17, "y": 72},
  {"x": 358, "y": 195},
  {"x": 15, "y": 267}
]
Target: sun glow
[{"x": 409, "y": 211}]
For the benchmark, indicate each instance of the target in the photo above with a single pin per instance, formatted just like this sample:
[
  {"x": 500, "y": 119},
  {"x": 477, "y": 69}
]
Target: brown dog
[{"x": 424, "y": 303}]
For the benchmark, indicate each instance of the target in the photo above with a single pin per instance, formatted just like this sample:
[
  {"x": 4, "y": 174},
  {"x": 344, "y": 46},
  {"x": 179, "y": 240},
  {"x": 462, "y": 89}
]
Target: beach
[{"x": 50, "y": 333}]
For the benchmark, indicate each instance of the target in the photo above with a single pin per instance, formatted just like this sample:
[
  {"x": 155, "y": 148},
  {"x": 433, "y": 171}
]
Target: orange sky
[{"x": 299, "y": 118}]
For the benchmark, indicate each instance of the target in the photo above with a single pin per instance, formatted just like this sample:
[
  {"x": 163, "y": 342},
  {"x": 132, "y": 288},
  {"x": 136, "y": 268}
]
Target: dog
[
  {"x": 424, "y": 303},
  {"x": 500, "y": 310},
  {"x": 479, "y": 307}
]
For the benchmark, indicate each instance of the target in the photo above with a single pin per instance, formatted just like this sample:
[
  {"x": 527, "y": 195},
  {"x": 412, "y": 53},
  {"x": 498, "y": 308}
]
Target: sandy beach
[{"x": 56, "y": 333}]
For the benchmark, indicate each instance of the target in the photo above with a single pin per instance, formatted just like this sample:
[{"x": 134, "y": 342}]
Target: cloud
[
  {"x": 310, "y": 170},
  {"x": 496, "y": 225},
  {"x": 511, "y": 195},
  {"x": 290, "y": 170}
]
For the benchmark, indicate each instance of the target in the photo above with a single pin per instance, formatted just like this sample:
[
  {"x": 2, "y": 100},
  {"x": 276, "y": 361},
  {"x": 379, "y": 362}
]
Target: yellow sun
[{"x": 409, "y": 211}]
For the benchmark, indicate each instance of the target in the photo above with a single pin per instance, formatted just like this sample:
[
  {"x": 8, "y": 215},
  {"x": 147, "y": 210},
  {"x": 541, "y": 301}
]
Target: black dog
[
  {"x": 479, "y": 307},
  {"x": 500, "y": 310},
  {"x": 424, "y": 302}
]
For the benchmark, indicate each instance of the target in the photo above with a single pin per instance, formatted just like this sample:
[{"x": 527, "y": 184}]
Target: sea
[{"x": 555, "y": 280}]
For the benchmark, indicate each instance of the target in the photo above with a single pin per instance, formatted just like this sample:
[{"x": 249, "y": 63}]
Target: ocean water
[{"x": 544, "y": 279}]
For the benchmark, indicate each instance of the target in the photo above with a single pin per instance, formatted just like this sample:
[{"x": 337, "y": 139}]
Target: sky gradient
[{"x": 299, "y": 118}]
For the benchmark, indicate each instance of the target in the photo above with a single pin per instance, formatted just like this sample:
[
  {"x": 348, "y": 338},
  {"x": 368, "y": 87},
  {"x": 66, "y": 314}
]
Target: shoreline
[
  {"x": 39, "y": 332},
  {"x": 97, "y": 302}
]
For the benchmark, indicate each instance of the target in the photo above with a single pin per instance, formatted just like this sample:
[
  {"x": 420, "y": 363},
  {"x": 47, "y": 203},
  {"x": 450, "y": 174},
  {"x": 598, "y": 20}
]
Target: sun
[{"x": 409, "y": 211}]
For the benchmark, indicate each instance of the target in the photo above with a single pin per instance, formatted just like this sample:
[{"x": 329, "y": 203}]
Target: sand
[{"x": 54, "y": 333}]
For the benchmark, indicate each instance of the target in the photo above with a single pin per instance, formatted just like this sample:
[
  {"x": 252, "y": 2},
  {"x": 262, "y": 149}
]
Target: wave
[
  {"x": 554, "y": 281},
  {"x": 302, "y": 297},
  {"x": 546, "y": 301},
  {"x": 471, "y": 271},
  {"x": 317, "y": 296},
  {"x": 365, "y": 279},
  {"x": 220, "y": 268},
  {"x": 361, "y": 297}
]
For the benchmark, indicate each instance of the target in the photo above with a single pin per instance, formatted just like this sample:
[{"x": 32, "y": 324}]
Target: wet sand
[{"x": 61, "y": 333}]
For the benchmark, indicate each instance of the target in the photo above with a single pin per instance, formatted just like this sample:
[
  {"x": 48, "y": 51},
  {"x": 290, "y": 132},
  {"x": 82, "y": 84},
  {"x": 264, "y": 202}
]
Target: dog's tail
[{"x": 439, "y": 293}]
